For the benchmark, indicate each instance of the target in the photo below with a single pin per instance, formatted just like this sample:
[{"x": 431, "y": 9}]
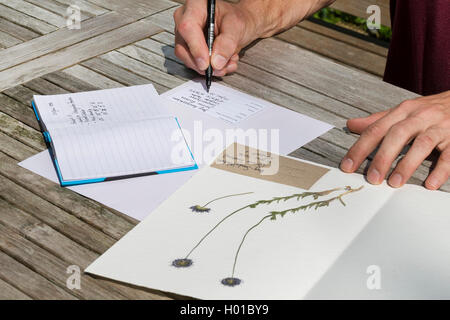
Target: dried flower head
[
  {"x": 231, "y": 282},
  {"x": 182, "y": 263},
  {"x": 198, "y": 208}
]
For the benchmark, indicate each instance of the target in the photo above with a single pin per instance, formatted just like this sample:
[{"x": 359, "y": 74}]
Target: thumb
[
  {"x": 358, "y": 125},
  {"x": 227, "y": 42}
]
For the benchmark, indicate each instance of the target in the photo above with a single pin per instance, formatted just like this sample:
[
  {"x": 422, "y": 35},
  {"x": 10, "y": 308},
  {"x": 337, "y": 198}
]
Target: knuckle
[
  {"x": 381, "y": 160},
  {"x": 400, "y": 130},
  {"x": 178, "y": 51},
  {"x": 407, "y": 105},
  {"x": 445, "y": 156},
  {"x": 373, "y": 130},
  {"x": 184, "y": 27},
  {"x": 425, "y": 141}
]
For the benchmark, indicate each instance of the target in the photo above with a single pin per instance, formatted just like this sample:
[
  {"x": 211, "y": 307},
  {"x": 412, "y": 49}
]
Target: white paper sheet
[
  {"x": 137, "y": 197},
  {"x": 220, "y": 102},
  {"x": 323, "y": 253}
]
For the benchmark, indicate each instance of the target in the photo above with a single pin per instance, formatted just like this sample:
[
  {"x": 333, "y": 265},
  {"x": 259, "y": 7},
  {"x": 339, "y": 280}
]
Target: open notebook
[{"x": 111, "y": 134}]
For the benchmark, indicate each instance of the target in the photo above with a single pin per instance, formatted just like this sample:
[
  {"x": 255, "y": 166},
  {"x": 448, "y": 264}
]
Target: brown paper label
[{"x": 267, "y": 166}]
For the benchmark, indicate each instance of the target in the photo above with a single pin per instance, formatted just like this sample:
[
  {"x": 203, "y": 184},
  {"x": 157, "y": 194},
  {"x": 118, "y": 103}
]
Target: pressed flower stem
[
  {"x": 271, "y": 215},
  {"x": 243, "y": 239},
  {"x": 255, "y": 204},
  {"x": 214, "y": 228},
  {"x": 231, "y": 195}
]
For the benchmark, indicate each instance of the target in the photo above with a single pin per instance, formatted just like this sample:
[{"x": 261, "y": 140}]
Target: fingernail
[
  {"x": 347, "y": 165},
  {"x": 201, "y": 63},
  {"x": 433, "y": 182},
  {"x": 219, "y": 73},
  {"x": 373, "y": 176},
  {"x": 396, "y": 180},
  {"x": 218, "y": 61}
]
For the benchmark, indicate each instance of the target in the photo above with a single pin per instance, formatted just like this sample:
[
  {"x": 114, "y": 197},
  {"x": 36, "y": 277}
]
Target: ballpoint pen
[{"x": 210, "y": 26}]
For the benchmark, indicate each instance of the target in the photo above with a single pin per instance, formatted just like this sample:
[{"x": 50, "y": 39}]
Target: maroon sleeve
[{"x": 419, "y": 54}]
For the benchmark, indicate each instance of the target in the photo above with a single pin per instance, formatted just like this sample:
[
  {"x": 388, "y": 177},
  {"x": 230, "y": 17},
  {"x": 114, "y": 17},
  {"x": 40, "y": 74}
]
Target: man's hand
[
  {"x": 426, "y": 120},
  {"x": 234, "y": 30},
  {"x": 237, "y": 25}
]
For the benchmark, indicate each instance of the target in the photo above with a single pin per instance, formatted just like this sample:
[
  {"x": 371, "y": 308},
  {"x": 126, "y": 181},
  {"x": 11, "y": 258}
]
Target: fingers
[
  {"x": 441, "y": 172},
  {"x": 358, "y": 125},
  {"x": 397, "y": 137},
  {"x": 370, "y": 139},
  {"x": 422, "y": 146},
  {"x": 182, "y": 52},
  {"x": 189, "y": 24},
  {"x": 227, "y": 42}
]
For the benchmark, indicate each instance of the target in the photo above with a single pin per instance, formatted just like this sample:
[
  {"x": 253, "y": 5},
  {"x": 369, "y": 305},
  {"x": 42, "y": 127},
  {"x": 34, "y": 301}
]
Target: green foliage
[{"x": 352, "y": 22}]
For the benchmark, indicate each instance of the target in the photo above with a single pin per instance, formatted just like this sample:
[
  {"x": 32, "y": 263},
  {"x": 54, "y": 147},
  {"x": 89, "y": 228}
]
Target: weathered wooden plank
[
  {"x": 21, "y": 132},
  {"x": 7, "y": 40},
  {"x": 39, "y": 232},
  {"x": 142, "y": 69},
  {"x": 119, "y": 74},
  {"x": 104, "y": 219},
  {"x": 25, "y": 20},
  {"x": 69, "y": 83},
  {"x": 16, "y": 30},
  {"x": 93, "y": 78},
  {"x": 60, "y": 220},
  {"x": 20, "y": 93},
  {"x": 162, "y": 59},
  {"x": 35, "y": 11},
  {"x": 324, "y": 76},
  {"x": 43, "y": 86},
  {"x": 58, "y": 8},
  {"x": 335, "y": 50},
  {"x": 47, "y": 265},
  {"x": 163, "y": 19},
  {"x": 60, "y": 39},
  {"x": 28, "y": 281},
  {"x": 50, "y": 253},
  {"x": 85, "y": 6},
  {"x": 14, "y": 148},
  {"x": 18, "y": 111},
  {"x": 76, "y": 53},
  {"x": 358, "y": 8},
  {"x": 337, "y": 35},
  {"x": 8, "y": 292}
]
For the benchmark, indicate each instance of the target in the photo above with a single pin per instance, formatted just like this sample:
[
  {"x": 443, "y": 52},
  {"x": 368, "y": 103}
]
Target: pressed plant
[
  {"x": 186, "y": 262},
  {"x": 232, "y": 280},
  {"x": 204, "y": 208}
]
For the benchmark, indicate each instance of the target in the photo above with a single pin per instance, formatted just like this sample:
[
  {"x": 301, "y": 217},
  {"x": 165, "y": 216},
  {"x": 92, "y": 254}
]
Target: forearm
[{"x": 272, "y": 16}]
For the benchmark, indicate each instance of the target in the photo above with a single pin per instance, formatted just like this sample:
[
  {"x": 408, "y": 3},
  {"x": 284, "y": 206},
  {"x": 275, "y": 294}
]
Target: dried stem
[
  {"x": 298, "y": 196},
  {"x": 231, "y": 195}
]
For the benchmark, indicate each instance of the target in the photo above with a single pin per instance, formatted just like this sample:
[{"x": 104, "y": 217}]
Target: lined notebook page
[
  {"x": 94, "y": 107},
  {"x": 111, "y": 133}
]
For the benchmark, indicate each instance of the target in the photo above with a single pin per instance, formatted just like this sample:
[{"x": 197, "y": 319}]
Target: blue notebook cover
[{"x": 64, "y": 183}]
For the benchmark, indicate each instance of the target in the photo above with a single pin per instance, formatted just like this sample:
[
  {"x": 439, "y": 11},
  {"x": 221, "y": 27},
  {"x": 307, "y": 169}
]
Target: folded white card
[{"x": 228, "y": 235}]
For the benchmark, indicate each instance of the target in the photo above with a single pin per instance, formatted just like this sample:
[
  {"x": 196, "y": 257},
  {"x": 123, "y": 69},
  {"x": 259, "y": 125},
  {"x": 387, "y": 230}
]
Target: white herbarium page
[
  {"x": 404, "y": 253},
  {"x": 279, "y": 259}
]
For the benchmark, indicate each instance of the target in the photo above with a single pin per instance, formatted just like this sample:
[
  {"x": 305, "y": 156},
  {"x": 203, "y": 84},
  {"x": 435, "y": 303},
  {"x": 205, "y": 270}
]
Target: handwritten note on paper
[{"x": 221, "y": 102}]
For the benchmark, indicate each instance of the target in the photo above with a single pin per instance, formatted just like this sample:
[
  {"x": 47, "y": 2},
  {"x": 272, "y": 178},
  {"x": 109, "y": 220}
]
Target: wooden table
[{"x": 45, "y": 228}]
